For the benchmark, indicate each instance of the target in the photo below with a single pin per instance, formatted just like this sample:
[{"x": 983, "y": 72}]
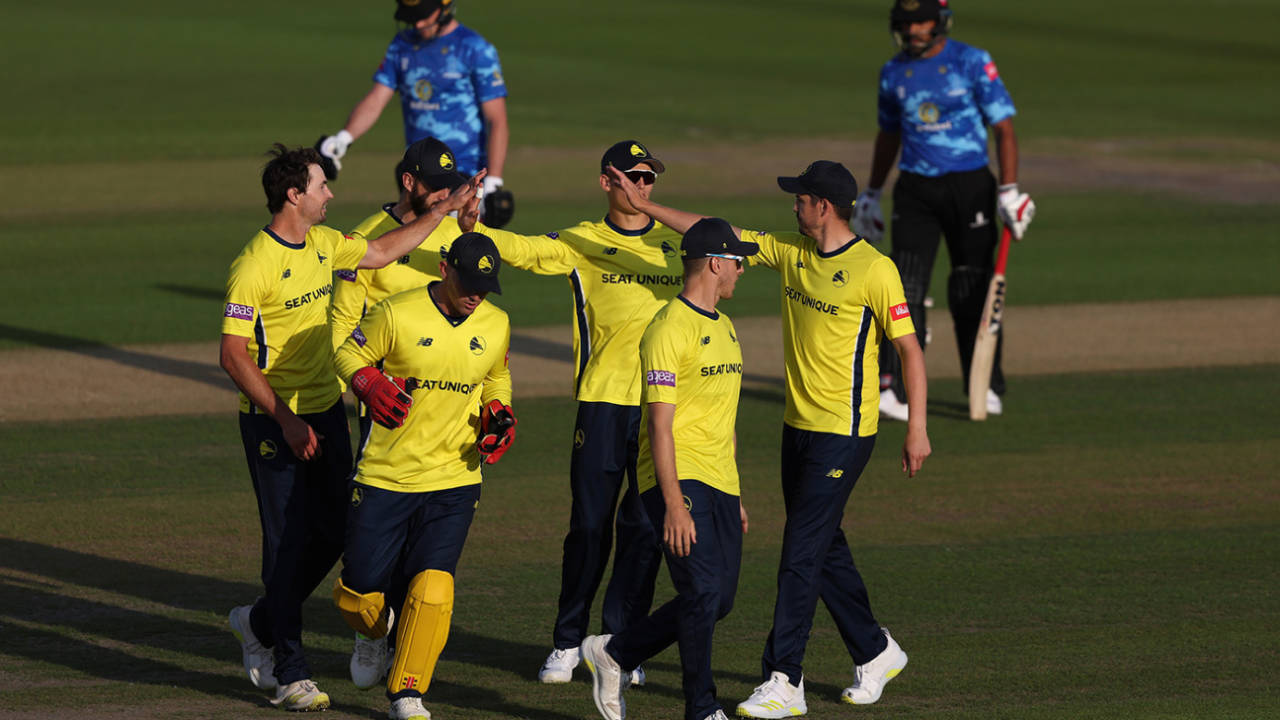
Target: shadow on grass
[{"x": 208, "y": 373}]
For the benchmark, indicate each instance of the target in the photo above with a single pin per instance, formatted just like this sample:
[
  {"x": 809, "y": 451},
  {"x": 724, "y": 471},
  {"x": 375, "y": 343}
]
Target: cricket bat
[{"x": 984, "y": 346}]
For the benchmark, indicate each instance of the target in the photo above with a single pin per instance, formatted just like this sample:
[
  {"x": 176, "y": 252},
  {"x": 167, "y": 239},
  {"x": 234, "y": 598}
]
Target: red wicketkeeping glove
[
  {"x": 388, "y": 402},
  {"x": 497, "y": 431}
]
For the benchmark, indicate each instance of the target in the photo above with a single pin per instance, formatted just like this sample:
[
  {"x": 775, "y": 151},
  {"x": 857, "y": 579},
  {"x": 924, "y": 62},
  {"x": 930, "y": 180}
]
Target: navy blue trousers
[
  {"x": 819, "y": 471},
  {"x": 302, "y": 508},
  {"x": 706, "y": 581},
  {"x": 605, "y": 447}
]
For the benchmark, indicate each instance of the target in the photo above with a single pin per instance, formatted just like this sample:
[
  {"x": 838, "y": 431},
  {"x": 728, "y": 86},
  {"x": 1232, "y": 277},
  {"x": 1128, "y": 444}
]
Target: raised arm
[{"x": 399, "y": 242}]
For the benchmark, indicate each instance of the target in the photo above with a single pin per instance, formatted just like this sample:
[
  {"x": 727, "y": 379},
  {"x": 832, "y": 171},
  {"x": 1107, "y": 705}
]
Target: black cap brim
[
  {"x": 479, "y": 283},
  {"x": 450, "y": 180},
  {"x": 793, "y": 186}
]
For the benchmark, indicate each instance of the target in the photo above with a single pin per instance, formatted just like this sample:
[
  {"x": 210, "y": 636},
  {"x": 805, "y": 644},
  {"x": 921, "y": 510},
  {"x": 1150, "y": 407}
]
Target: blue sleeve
[
  {"x": 486, "y": 72},
  {"x": 992, "y": 97},
  {"x": 388, "y": 72},
  {"x": 888, "y": 107}
]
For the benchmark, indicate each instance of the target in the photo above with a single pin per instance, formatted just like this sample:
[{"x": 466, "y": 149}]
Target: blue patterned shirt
[
  {"x": 442, "y": 84},
  {"x": 942, "y": 106}
]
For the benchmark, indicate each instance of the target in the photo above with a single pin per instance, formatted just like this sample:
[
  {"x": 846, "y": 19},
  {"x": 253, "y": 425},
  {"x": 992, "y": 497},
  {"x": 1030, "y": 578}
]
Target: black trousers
[
  {"x": 303, "y": 508},
  {"x": 603, "y": 465},
  {"x": 960, "y": 207}
]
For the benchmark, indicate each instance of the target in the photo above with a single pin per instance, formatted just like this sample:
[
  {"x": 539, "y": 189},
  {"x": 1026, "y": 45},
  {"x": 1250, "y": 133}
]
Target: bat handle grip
[{"x": 1002, "y": 255}]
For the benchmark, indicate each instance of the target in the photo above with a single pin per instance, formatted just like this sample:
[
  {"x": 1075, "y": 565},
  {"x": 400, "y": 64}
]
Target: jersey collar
[
  {"x": 629, "y": 233},
  {"x": 388, "y": 208},
  {"x": 856, "y": 239},
  {"x": 292, "y": 246},
  {"x": 454, "y": 321},
  {"x": 713, "y": 315}
]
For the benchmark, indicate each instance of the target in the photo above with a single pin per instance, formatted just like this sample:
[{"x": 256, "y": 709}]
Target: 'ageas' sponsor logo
[
  {"x": 899, "y": 311},
  {"x": 360, "y": 339},
  {"x": 660, "y": 377},
  {"x": 348, "y": 275},
  {"x": 238, "y": 311}
]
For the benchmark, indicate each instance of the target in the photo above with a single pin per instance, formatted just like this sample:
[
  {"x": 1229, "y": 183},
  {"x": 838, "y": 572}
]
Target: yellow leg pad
[
  {"x": 422, "y": 631},
  {"x": 362, "y": 611}
]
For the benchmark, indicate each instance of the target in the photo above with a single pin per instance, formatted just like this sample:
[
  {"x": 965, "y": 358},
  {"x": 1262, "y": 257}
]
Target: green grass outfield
[{"x": 1063, "y": 564}]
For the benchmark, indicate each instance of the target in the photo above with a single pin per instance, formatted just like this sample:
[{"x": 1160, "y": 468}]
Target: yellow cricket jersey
[
  {"x": 451, "y": 367},
  {"x": 356, "y": 291},
  {"x": 691, "y": 359},
  {"x": 618, "y": 279},
  {"x": 836, "y": 308},
  {"x": 278, "y": 297}
]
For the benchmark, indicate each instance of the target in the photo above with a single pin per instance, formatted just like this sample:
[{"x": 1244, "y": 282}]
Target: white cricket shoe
[
  {"x": 637, "y": 677},
  {"x": 891, "y": 407},
  {"x": 408, "y": 708},
  {"x": 370, "y": 660},
  {"x": 994, "y": 405},
  {"x": 869, "y": 679},
  {"x": 559, "y": 666},
  {"x": 301, "y": 696},
  {"x": 717, "y": 715},
  {"x": 776, "y": 698},
  {"x": 606, "y": 677},
  {"x": 259, "y": 662}
]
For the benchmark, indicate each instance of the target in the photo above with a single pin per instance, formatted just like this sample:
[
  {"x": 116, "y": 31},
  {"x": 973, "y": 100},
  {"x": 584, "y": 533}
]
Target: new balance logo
[
  {"x": 287, "y": 273},
  {"x": 799, "y": 264},
  {"x": 424, "y": 341},
  {"x": 836, "y": 473}
]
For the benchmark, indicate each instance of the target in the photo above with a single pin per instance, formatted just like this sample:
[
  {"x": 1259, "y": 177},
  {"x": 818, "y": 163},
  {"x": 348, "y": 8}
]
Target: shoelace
[
  {"x": 767, "y": 687},
  {"x": 307, "y": 686},
  {"x": 365, "y": 652},
  {"x": 559, "y": 654}
]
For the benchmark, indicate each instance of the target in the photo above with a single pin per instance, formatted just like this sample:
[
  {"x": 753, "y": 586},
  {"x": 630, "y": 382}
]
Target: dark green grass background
[
  {"x": 1106, "y": 549},
  {"x": 1026, "y": 576}
]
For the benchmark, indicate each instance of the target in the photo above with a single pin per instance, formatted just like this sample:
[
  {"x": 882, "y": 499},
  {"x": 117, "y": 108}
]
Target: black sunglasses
[{"x": 641, "y": 177}]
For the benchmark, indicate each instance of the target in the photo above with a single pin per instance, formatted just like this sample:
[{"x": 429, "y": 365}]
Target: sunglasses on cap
[
  {"x": 641, "y": 177},
  {"x": 735, "y": 258}
]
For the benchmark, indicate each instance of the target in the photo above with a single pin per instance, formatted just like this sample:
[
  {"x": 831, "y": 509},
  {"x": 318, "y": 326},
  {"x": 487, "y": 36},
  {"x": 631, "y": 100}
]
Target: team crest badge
[
  {"x": 267, "y": 449},
  {"x": 446, "y": 161},
  {"x": 928, "y": 113},
  {"x": 637, "y": 150},
  {"x": 667, "y": 249},
  {"x": 357, "y": 497},
  {"x": 478, "y": 345},
  {"x": 485, "y": 265},
  {"x": 840, "y": 279},
  {"x": 579, "y": 438},
  {"x": 688, "y": 504},
  {"x": 910, "y": 5}
]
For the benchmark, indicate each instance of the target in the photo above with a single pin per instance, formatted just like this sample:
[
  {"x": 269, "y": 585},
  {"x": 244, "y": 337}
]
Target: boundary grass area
[{"x": 1099, "y": 553}]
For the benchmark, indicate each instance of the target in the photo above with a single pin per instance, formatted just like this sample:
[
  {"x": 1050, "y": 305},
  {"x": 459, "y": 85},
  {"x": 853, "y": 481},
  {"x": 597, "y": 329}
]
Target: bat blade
[{"x": 984, "y": 345}]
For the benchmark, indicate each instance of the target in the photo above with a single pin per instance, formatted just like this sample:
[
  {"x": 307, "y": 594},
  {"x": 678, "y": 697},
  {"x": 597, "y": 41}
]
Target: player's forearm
[
  {"x": 1006, "y": 150},
  {"x": 882, "y": 157},
  {"x": 678, "y": 220},
  {"x": 401, "y": 241},
  {"x": 497, "y": 383},
  {"x": 495, "y": 114},
  {"x": 248, "y": 377},
  {"x": 368, "y": 110},
  {"x": 662, "y": 445},
  {"x": 535, "y": 253},
  {"x": 914, "y": 377}
]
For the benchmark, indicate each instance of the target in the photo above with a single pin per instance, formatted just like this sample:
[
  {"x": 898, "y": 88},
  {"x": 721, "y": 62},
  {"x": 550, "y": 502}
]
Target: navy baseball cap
[
  {"x": 825, "y": 179},
  {"x": 476, "y": 260},
  {"x": 628, "y": 154},
  {"x": 432, "y": 162},
  {"x": 712, "y": 236}
]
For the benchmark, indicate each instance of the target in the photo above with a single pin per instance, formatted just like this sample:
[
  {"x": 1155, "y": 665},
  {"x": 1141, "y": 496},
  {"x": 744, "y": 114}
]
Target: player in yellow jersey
[
  {"x": 840, "y": 297},
  {"x": 621, "y": 269},
  {"x": 426, "y": 174},
  {"x": 418, "y": 482},
  {"x": 276, "y": 348},
  {"x": 692, "y": 367}
]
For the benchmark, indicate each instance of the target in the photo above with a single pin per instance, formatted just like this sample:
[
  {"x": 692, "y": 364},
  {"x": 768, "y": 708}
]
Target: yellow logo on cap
[
  {"x": 485, "y": 264},
  {"x": 637, "y": 150},
  {"x": 910, "y": 5},
  {"x": 928, "y": 112},
  {"x": 446, "y": 161}
]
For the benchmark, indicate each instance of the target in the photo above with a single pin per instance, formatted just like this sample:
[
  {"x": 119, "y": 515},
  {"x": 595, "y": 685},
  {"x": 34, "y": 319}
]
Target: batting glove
[
  {"x": 332, "y": 149},
  {"x": 1016, "y": 209},
  {"x": 868, "y": 220},
  {"x": 497, "y": 431},
  {"x": 387, "y": 400}
]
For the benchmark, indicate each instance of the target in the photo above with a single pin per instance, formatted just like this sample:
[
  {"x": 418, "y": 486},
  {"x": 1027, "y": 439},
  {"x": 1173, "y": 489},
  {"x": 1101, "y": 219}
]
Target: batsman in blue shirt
[
  {"x": 451, "y": 88},
  {"x": 937, "y": 99}
]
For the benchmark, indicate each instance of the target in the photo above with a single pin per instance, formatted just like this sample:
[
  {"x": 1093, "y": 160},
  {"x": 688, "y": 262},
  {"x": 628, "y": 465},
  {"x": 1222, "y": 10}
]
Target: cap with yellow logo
[
  {"x": 432, "y": 162},
  {"x": 476, "y": 260},
  {"x": 628, "y": 154}
]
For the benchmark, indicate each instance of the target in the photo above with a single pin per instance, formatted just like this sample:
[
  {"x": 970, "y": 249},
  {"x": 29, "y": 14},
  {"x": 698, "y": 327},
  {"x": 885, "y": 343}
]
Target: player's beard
[{"x": 419, "y": 204}]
